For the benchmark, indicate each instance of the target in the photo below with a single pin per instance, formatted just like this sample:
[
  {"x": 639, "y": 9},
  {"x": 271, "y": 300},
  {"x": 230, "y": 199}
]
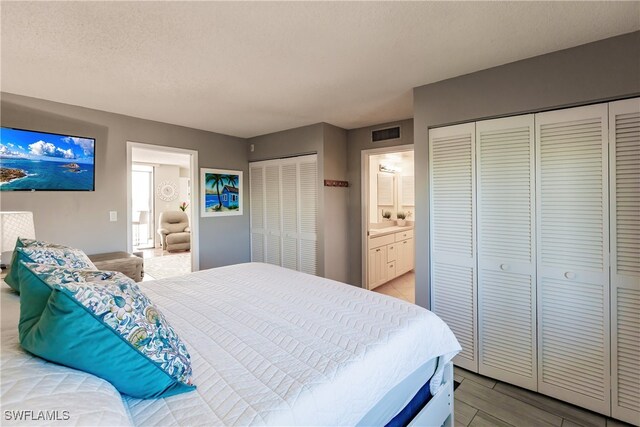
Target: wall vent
[{"x": 385, "y": 134}]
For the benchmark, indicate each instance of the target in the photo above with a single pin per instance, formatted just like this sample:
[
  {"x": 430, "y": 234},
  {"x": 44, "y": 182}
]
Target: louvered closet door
[
  {"x": 624, "y": 160},
  {"x": 290, "y": 209},
  {"x": 453, "y": 257},
  {"x": 273, "y": 216},
  {"x": 256, "y": 197},
  {"x": 573, "y": 256},
  {"x": 506, "y": 250},
  {"x": 308, "y": 207}
]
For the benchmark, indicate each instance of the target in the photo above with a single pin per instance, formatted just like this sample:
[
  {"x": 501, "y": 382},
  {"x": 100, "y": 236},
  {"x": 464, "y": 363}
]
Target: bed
[{"x": 269, "y": 346}]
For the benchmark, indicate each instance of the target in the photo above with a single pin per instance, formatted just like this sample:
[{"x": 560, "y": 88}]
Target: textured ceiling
[{"x": 249, "y": 68}]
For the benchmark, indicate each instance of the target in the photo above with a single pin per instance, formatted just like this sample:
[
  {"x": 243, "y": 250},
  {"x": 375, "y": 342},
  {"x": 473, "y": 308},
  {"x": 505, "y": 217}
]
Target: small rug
[{"x": 167, "y": 266}]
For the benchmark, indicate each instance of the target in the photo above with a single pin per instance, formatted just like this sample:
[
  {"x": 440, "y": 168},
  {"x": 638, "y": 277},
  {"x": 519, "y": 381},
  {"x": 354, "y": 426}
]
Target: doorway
[
  {"x": 388, "y": 212},
  {"x": 162, "y": 185}
]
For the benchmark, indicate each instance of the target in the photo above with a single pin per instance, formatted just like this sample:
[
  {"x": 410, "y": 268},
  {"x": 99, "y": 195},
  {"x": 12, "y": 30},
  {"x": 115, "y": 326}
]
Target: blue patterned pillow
[
  {"x": 106, "y": 327},
  {"x": 45, "y": 253},
  {"x": 32, "y": 243},
  {"x": 56, "y": 275}
]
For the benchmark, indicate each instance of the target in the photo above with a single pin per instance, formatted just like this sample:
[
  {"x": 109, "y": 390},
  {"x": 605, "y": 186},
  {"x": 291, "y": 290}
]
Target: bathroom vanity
[{"x": 391, "y": 253}]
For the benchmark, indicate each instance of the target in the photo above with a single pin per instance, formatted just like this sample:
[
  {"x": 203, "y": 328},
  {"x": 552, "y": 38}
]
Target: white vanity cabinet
[
  {"x": 391, "y": 254},
  {"x": 378, "y": 257},
  {"x": 377, "y": 264},
  {"x": 406, "y": 252}
]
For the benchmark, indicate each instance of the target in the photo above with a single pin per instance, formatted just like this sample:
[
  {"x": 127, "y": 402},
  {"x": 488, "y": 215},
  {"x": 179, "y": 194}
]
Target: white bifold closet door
[
  {"x": 308, "y": 208},
  {"x": 258, "y": 223},
  {"x": 290, "y": 217},
  {"x": 453, "y": 242},
  {"x": 505, "y": 156},
  {"x": 573, "y": 256},
  {"x": 624, "y": 161},
  {"x": 273, "y": 214},
  {"x": 284, "y": 211}
]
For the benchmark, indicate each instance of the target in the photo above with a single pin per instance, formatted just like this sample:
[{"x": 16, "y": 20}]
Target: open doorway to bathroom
[
  {"x": 388, "y": 212},
  {"x": 162, "y": 209}
]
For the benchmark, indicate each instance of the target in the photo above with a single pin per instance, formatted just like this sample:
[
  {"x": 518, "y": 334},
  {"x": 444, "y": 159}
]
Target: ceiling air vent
[{"x": 385, "y": 134}]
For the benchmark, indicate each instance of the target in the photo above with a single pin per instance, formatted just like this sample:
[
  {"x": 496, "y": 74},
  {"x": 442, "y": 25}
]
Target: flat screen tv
[{"x": 39, "y": 161}]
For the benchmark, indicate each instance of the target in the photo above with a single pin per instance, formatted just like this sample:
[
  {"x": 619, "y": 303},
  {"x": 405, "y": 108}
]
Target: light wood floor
[{"x": 483, "y": 402}]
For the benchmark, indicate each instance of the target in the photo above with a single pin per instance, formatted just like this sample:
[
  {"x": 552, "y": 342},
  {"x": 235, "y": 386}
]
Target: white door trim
[
  {"x": 194, "y": 176},
  {"x": 364, "y": 201}
]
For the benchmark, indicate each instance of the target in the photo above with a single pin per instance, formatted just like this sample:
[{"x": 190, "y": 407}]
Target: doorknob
[
  {"x": 570, "y": 275},
  {"x": 504, "y": 267}
]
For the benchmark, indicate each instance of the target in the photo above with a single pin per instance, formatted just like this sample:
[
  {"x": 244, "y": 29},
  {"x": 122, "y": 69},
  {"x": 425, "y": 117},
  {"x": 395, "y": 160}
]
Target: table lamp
[{"x": 12, "y": 226}]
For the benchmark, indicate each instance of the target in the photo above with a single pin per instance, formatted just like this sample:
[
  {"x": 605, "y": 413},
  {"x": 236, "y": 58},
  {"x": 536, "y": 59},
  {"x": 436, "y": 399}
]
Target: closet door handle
[
  {"x": 377, "y": 250},
  {"x": 504, "y": 267},
  {"x": 570, "y": 275}
]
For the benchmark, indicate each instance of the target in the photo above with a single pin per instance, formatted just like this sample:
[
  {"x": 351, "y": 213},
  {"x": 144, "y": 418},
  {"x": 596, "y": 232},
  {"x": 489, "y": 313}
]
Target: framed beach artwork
[{"x": 220, "y": 192}]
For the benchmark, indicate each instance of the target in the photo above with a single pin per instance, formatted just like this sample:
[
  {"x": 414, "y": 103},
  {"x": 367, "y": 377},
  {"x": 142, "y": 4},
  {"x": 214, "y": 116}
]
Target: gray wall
[
  {"x": 358, "y": 140},
  {"x": 291, "y": 142},
  {"x": 603, "y": 70},
  {"x": 81, "y": 219},
  {"x": 336, "y": 201}
]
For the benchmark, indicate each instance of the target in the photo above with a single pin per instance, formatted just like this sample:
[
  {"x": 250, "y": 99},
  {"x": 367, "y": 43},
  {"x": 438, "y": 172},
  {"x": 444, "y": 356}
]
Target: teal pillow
[
  {"x": 28, "y": 250},
  {"x": 102, "y": 323},
  {"x": 21, "y": 242},
  {"x": 39, "y": 288}
]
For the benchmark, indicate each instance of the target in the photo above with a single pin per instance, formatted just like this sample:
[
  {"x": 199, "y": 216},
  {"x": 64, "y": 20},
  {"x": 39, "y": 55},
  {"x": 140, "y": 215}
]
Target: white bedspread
[
  {"x": 277, "y": 347},
  {"x": 269, "y": 346},
  {"x": 38, "y": 393}
]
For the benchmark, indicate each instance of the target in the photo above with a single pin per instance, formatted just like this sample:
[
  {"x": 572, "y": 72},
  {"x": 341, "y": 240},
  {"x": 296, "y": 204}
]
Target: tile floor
[
  {"x": 403, "y": 287},
  {"x": 481, "y": 401}
]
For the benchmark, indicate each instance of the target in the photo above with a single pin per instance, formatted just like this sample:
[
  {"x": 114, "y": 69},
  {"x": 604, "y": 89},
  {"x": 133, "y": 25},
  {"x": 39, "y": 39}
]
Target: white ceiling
[
  {"x": 143, "y": 155},
  {"x": 249, "y": 68}
]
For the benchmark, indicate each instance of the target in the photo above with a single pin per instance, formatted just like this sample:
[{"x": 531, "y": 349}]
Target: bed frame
[{"x": 439, "y": 410}]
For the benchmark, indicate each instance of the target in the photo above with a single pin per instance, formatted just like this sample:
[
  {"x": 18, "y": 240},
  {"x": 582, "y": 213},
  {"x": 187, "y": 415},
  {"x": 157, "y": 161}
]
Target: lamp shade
[{"x": 14, "y": 225}]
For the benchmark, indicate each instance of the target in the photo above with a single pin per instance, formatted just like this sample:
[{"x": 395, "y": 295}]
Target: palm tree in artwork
[
  {"x": 215, "y": 179},
  {"x": 232, "y": 180}
]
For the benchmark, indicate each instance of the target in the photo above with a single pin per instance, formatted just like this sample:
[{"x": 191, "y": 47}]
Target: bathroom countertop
[{"x": 388, "y": 230}]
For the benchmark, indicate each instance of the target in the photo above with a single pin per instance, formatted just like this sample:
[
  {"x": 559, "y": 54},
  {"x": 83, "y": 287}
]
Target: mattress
[
  {"x": 34, "y": 392},
  {"x": 271, "y": 346},
  {"x": 408, "y": 390}
]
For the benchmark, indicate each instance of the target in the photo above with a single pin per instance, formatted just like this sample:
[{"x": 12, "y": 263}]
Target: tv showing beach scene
[{"x": 39, "y": 161}]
